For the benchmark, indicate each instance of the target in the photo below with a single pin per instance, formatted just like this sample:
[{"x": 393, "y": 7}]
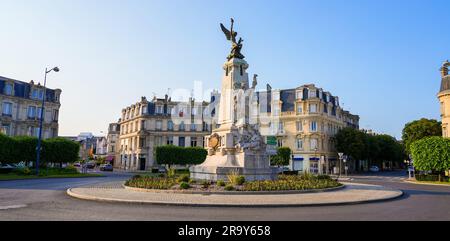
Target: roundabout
[{"x": 351, "y": 193}]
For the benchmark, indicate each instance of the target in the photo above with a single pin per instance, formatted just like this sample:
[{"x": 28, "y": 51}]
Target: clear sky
[{"x": 381, "y": 57}]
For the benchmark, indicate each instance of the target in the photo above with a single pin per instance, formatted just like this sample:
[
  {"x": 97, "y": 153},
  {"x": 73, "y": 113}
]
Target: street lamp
[
  {"x": 41, "y": 119},
  {"x": 341, "y": 156}
]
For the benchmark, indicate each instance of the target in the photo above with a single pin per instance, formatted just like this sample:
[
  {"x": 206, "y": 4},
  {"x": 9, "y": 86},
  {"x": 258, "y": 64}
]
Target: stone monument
[{"x": 237, "y": 145}]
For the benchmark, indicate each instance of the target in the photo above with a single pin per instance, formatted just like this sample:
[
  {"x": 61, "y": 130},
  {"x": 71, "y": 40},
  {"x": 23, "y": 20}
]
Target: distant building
[
  {"x": 101, "y": 147},
  {"x": 21, "y": 104},
  {"x": 161, "y": 121},
  {"x": 112, "y": 142},
  {"x": 444, "y": 98},
  {"x": 305, "y": 119}
]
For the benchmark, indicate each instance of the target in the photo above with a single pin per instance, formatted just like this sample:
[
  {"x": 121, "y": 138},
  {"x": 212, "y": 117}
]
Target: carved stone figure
[{"x": 255, "y": 81}]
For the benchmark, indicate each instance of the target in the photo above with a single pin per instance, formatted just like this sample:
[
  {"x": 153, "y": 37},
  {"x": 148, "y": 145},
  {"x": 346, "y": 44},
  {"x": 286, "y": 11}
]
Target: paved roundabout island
[{"x": 351, "y": 193}]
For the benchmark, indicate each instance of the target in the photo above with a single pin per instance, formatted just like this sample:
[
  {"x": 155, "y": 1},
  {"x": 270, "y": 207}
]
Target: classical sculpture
[
  {"x": 236, "y": 47},
  {"x": 250, "y": 139},
  {"x": 255, "y": 81},
  {"x": 444, "y": 69}
]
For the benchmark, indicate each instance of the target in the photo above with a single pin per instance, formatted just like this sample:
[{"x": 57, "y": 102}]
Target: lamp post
[
  {"x": 41, "y": 119},
  {"x": 341, "y": 156}
]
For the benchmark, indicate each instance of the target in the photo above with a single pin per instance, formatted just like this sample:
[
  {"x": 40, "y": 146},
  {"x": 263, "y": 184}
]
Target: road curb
[
  {"x": 242, "y": 205},
  {"x": 427, "y": 184}
]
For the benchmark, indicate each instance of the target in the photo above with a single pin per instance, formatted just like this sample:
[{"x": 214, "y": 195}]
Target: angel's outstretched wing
[{"x": 228, "y": 33}]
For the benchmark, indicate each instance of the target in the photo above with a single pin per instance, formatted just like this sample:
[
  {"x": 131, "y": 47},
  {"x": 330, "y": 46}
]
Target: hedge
[
  {"x": 175, "y": 155},
  {"x": 23, "y": 149}
]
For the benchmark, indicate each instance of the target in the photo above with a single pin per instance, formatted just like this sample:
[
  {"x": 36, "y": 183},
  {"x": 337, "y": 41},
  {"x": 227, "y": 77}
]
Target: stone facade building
[
  {"x": 21, "y": 108},
  {"x": 444, "y": 98},
  {"x": 112, "y": 142},
  {"x": 305, "y": 119},
  {"x": 160, "y": 121}
]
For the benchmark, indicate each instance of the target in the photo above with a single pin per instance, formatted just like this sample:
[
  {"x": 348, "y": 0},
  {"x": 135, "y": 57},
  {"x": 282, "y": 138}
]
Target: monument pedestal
[{"x": 235, "y": 150}]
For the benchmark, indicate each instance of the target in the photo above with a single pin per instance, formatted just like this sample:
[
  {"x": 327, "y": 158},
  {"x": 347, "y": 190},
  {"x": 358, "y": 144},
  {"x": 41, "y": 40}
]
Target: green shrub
[
  {"x": 175, "y": 155},
  {"x": 149, "y": 182},
  {"x": 136, "y": 176},
  {"x": 239, "y": 180},
  {"x": 220, "y": 183},
  {"x": 229, "y": 187},
  {"x": 183, "y": 178},
  {"x": 25, "y": 171},
  {"x": 430, "y": 178},
  {"x": 206, "y": 184},
  {"x": 323, "y": 177},
  {"x": 184, "y": 185},
  {"x": 171, "y": 172},
  {"x": 290, "y": 183}
]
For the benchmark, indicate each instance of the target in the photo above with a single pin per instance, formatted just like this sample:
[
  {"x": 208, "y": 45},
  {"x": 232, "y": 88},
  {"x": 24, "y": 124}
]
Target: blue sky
[{"x": 381, "y": 57}]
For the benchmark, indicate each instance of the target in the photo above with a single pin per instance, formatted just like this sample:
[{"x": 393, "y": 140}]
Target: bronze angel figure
[{"x": 236, "y": 47}]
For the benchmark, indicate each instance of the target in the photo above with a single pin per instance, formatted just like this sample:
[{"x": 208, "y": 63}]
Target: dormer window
[{"x": 8, "y": 89}]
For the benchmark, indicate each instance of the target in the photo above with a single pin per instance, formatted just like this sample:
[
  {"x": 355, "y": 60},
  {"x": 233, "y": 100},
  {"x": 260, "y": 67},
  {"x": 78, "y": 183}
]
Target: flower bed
[{"x": 283, "y": 183}]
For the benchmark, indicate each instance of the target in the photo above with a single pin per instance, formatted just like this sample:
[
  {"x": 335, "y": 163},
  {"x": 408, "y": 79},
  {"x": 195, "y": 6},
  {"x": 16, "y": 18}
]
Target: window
[
  {"x": 142, "y": 125},
  {"x": 170, "y": 125},
  {"x": 281, "y": 127},
  {"x": 182, "y": 141},
  {"x": 159, "y": 109},
  {"x": 7, "y": 108},
  {"x": 8, "y": 89},
  {"x": 299, "y": 109},
  {"x": 276, "y": 96},
  {"x": 312, "y": 94},
  {"x": 325, "y": 108},
  {"x": 6, "y": 129},
  {"x": 314, "y": 144},
  {"x": 34, "y": 131},
  {"x": 193, "y": 141},
  {"x": 170, "y": 140},
  {"x": 193, "y": 127},
  {"x": 194, "y": 111},
  {"x": 144, "y": 110},
  {"x": 35, "y": 94},
  {"x": 55, "y": 115},
  {"x": 299, "y": 125},
  {"x": 31, "y": 112},
  {"x": 313, "y": 126},
  {"x": 39, "y": 113},
  {"x": 299, "y": 144},
  {"x": 158, "y": 125},
  {"x": 280, "y": 142},
  {"x": 299, "y": 95},
  {"x": 181, "y": 127},
  {"x": 313, "y": 108},
  {"x": 141, "y": 143}
]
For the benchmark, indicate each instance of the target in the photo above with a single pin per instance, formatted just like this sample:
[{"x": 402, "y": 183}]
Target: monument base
[
  {"x": 253, "y": 166},
  {"x": 221, "y": 173}
]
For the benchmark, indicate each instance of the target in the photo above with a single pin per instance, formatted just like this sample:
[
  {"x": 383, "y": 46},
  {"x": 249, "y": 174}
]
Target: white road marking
[{"x": 12, "y": 207}]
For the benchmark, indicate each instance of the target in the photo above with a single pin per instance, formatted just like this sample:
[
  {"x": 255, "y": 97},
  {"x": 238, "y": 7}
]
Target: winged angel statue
[{"x": 235, "y": 46}]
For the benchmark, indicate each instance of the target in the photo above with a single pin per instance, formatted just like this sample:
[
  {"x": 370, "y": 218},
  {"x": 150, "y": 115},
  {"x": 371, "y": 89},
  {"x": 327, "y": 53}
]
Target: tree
[
  {"x": 282, "y": 157},
  {"x": 431, "y": 154},
  {"x": 352, "y": 142},
  {"x": 6, "y": 149},
  {"x": 420, "y": 129},
  {"x": 60, "y": 150},
  {"x": 25, "y": 149}
]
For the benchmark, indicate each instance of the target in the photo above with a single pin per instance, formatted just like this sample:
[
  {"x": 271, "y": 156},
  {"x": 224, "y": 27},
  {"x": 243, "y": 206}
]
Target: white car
[{"x": 374, "y": 169}]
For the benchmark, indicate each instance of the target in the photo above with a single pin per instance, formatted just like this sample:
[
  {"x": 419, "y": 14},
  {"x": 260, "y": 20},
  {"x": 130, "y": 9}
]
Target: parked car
[
  {"x": 6, "y": 168},
  {"x": 106, "y": 168},
  {"x": 374, "y": 169},
  {"x": 77, "y": 164},
  {"x": 90, "y": 165}
]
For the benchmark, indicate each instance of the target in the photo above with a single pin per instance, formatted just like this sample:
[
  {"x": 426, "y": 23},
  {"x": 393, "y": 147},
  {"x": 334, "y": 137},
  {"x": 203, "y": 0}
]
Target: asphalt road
[{"x": 46, "y": 199}]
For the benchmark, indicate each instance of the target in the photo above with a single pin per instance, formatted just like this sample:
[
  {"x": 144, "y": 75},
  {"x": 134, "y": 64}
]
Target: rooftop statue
[{"x": 236, "y": 47}]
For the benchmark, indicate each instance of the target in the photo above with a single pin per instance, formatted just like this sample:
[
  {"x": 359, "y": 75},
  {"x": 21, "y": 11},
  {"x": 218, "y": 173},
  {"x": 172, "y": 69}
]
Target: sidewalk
[{"x": 353, "y": 193}]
